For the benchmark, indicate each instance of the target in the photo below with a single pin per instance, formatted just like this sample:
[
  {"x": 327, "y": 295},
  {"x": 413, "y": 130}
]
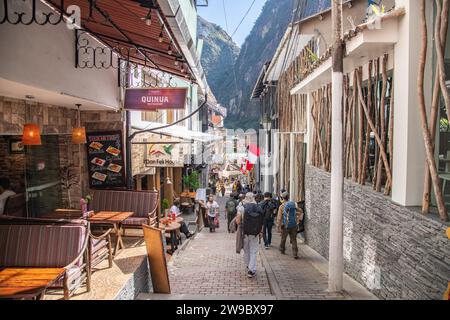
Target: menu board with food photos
[{"x": 105, "y": 159}]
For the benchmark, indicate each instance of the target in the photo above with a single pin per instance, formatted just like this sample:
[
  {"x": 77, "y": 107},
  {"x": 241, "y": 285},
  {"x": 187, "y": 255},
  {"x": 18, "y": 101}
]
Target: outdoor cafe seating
[{"x": 68, "y": 241}]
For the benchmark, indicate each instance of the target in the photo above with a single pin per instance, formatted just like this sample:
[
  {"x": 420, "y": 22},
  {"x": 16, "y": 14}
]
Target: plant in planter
[
  {"x": 68, "y": 179},
  {"x": 191, "y": 181},
  {"x": 165, "y": 205}
]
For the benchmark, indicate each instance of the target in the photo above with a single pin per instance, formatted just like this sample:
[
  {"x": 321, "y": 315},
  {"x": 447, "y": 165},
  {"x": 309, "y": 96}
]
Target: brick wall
[
  {"x": 394, "y": 251},
  {"x": 12, "y": 165}
]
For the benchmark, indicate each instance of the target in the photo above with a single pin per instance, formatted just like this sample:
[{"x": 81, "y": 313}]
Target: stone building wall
[
  {"x": 52, "y": 120},
  {"x": 394, "y": 251}
]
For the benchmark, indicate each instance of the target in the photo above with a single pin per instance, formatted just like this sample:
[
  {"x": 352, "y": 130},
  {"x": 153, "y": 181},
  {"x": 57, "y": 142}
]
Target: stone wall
[
  {"x": 54, "y": 120},
  {"x": 394, "y": 251}
]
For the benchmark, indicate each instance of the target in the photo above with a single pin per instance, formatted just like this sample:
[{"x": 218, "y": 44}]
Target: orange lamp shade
[
  {"x": 31, "y": 135},
  {"x": 79, "y": 135}
]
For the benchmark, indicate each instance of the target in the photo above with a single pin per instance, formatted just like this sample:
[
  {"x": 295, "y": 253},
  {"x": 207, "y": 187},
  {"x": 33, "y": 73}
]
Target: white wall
[
  {"x": 44, "y": 57},
  {"x": 409, "y": 149}
]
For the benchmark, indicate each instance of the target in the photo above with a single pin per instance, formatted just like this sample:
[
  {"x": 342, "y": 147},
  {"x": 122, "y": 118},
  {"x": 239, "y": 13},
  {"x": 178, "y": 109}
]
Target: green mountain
[
  {"x": 218, "y": 57},
  {"x": 233, "y": 89}
]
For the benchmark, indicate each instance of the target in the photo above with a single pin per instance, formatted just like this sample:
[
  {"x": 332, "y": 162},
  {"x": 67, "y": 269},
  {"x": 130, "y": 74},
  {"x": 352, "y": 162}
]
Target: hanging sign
[
  {"x": 105, "y": 160},
  {"x": 155, "y": 99},
  {"x": 165, "y": 155}
]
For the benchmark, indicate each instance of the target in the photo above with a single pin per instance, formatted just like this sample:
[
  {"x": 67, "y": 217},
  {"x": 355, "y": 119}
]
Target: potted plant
[
  {"x": 192, "y": 181},
  {"x": 165, "y": 205}
]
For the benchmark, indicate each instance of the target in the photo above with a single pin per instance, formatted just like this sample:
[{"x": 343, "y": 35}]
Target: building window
[{"x": 152, "y": 116}]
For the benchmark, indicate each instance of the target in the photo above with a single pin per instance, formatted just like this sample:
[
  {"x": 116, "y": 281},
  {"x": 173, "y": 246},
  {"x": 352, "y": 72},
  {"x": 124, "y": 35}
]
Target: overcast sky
[{"x": 235, "y": 10}]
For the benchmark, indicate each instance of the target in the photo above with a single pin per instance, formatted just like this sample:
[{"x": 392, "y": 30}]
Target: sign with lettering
[
  {"x": 105, "y": 159},
  {"x": 155, "y": 99},
  {"x": 165, "y": 155}
]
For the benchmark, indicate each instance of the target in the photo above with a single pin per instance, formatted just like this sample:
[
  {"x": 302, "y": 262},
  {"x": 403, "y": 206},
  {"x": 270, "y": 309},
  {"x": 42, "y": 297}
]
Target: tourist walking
[
  {"x": 212, "y": 210},
  {"x": 288, "y": 218},
  {"x": 231, "y": 208},
  {"x": 269, "y": 208},
  {"x": 252, "y": 219}
]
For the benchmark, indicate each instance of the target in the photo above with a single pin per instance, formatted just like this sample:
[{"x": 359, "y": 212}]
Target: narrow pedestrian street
[{"x": 208, "y": 267}]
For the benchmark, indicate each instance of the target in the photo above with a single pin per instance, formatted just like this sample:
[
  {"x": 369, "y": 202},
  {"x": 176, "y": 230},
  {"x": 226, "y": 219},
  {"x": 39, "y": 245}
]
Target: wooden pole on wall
[
  {"x": 423, "y": 114},
  {"x": 336, "y": 266}
]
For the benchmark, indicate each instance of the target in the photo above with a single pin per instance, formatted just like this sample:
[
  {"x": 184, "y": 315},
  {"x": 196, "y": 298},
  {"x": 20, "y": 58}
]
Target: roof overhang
[
  {"x": 18, "y": 90},
  {"x": 188, "y": 46},
  {"x": 367, "y": 44},
  {"x": 121, "y": 25},
  {"x": 260, "y": 83}
]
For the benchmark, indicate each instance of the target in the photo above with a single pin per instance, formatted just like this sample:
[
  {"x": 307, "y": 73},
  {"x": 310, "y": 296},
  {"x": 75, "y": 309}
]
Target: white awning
[{"x": 173, "y": 131}]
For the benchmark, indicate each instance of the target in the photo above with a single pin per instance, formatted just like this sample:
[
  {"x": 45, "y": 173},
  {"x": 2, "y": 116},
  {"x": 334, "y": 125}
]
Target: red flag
[{"x": 253, "y": 153}]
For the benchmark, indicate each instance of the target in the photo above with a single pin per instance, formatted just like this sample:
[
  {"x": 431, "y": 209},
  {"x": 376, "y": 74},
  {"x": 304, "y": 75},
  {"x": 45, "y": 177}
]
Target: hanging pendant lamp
[
  {"x": 31, "y": 135},
  {"x": 79, "y": 133}
]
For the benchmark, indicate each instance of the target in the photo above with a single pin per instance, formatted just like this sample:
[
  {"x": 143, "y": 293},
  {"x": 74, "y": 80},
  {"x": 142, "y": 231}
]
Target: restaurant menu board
[{"x": 105, "y": 159}]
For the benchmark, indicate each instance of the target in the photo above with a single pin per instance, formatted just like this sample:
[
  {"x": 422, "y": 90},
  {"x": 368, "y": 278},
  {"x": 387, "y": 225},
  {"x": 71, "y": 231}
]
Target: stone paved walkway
[{"x": 208, "y": 268}]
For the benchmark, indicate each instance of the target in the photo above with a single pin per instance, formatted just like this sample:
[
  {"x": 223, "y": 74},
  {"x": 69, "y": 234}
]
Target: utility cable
[{"x": 243, "y": 18}]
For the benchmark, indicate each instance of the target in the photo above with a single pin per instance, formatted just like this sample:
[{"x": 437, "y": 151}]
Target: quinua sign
[{"x": 163, "y": 155}]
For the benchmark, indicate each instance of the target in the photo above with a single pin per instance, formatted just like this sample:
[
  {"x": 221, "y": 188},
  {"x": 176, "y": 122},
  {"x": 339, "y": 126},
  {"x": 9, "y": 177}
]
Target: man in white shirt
[
  {"x": 212, "y": 209},
  {"x": 5, "y": 192}
]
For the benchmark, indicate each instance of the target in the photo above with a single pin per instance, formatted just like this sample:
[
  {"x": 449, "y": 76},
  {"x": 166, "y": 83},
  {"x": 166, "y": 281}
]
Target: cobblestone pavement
[
  {"x": 295, "y": 279},
  {"x": 208, "y": 266}
]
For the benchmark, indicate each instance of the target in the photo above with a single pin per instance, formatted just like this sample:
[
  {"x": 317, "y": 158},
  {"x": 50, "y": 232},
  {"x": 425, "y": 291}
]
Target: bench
[
  {"x": 144, "y": 204},
  {"x": 39, "y": 243}
]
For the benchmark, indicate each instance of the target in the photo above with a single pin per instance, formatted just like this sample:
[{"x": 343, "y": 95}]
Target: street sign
[{"x": 155, "y": 99}]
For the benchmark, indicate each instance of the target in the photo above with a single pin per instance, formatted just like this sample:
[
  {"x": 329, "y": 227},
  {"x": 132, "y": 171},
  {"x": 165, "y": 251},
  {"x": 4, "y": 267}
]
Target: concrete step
[{"x": 157, "y": 296}]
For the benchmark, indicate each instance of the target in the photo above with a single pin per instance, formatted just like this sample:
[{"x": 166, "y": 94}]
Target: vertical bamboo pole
[
  {"x": 355, "y": 99},
  {"x": 376, "y": 119},
  {"x": 369, "y": 107},
  {"x": 360, "y": 135},
  {"x": 434, "y": 112},
  {"x": 388, "y": 187},
  {"x": 382, "y": 121},
  {"x": 426, "y": 133}
]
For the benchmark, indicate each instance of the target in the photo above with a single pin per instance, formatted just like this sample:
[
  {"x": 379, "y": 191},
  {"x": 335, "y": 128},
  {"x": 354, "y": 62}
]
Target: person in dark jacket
[
  {"x": 251, "y": 215},
  {"x": 269, "y": 208},
  {"x": 231, "y": 208}
]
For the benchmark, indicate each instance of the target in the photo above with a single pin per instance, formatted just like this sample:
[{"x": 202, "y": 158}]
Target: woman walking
[{"x": 212, "y": 210}]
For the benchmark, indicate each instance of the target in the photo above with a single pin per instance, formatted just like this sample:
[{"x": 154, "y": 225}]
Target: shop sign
[
  {"x": 164, "y": 155},
  {"x": 105, "y": 159},
  {"x": 155, "y": 99}
]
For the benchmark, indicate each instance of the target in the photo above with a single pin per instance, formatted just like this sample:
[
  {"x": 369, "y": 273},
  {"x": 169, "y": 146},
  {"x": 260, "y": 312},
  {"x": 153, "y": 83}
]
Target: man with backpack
[
  {"x": 252, "y": 217},
  {"x": 288, "y": 218},
  {"x": 231, "y": 208},
  {"x": 269, "y": 208}
]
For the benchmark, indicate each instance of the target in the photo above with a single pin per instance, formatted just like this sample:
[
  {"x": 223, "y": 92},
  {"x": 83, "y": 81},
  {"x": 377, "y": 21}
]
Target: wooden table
[
  {"x": 115, "y": 218},
  {"x": 172, "y": 229},
  {"x": 188, "y": 195},
  {"x": 64, "y": 214},
  {"x": 18, "y": 283}
]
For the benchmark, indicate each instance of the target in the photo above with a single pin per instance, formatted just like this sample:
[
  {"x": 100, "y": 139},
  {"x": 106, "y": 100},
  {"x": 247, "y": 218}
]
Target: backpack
[
  {"x": 231, "y": 207},
  {"x": 268, "y": 209},
  {"x": 253, "y": 219},
  {"x": 290, "y": 215}
]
